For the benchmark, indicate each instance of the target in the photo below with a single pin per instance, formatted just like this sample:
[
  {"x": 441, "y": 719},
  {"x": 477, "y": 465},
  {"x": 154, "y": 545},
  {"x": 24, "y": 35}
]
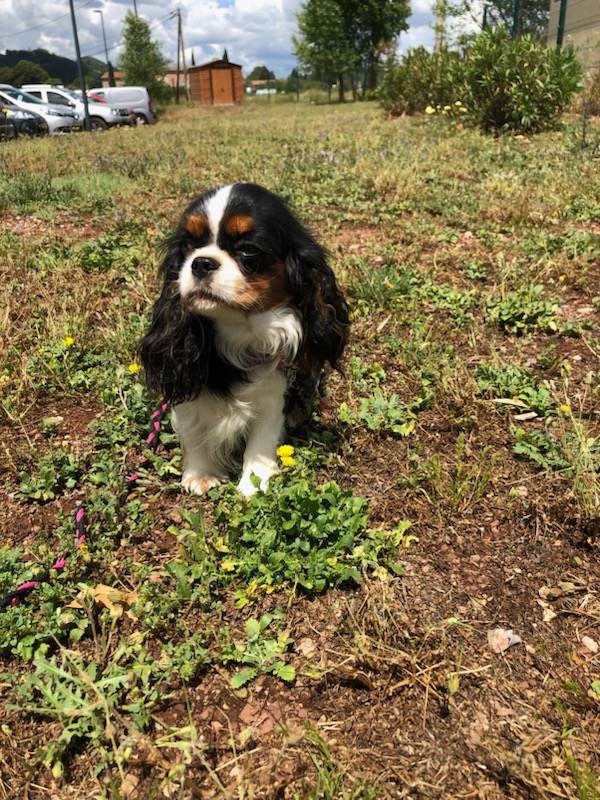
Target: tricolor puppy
[{"x": 248, "y": 317}]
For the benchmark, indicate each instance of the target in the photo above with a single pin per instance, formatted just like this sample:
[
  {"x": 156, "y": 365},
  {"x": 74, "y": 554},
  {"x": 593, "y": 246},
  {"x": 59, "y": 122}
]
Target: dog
[{"x": 249, "y": 317}]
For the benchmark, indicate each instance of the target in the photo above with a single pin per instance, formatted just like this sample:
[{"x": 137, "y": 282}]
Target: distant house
[
  {"x": 582, "y": 29},
  {"x": 169, "y": 77},
  {"x": 216, "y": 83}
]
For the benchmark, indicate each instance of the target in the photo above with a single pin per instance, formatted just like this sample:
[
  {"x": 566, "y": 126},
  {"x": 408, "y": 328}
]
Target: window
[
  {"x": 59, "y": 99},
  {"x": 36, "y": 93}
]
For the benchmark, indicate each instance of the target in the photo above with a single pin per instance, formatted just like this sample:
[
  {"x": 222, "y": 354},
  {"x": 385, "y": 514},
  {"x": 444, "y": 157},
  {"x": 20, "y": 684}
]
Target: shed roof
[{"x": 218, "y": 62}]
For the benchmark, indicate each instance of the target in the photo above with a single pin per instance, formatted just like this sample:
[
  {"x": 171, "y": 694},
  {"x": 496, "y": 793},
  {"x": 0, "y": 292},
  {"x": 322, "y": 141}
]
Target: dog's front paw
[
  {"x": 263, "y": 470},
  {"x": 194, "y": 483}
]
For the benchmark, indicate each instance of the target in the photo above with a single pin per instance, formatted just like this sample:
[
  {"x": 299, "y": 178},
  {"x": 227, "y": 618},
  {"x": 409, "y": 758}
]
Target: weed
[
  {"x": 258, "y": 653},
  {"x": 56, "y": 472},
  {"x": 511, "y": 382},
  {"x": 306, "y": 536},
  {"x": 524, "y": 310}
]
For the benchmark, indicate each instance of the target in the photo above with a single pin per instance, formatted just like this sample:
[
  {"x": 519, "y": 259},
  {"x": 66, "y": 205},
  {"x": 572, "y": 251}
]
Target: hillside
[{"x": 59, "y": 67}]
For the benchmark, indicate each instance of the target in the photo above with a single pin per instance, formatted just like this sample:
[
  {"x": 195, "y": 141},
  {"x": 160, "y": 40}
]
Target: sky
[{"x": 253, "y": 31}]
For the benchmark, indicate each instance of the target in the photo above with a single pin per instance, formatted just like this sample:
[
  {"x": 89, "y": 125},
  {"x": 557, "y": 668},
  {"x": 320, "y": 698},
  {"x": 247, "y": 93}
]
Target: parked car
[
  {"x": 136, "y": 98},
  {"x": 102, "y": 115},
  {"x": 58, "y": 118},
  {"x": 27, "y": 123},
  {"x": 7, "y": 127}
]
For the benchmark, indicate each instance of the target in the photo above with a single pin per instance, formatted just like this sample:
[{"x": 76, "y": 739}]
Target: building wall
[
  {"x": 582, "y": 29},
  {"x": 205, "y": 83}
]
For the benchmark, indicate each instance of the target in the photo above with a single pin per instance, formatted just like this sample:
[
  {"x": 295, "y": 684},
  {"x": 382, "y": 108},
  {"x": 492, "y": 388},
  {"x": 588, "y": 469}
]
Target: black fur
[{"x": 178, "y": 352}]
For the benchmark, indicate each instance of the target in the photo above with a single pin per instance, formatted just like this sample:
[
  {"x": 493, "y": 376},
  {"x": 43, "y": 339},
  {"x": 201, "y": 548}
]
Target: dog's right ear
[{"x": 175, "y": 350}]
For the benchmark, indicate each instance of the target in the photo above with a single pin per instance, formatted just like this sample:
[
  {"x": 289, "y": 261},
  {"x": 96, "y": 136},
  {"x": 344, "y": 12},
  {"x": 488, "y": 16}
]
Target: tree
[
  {"x": 225, "y": 56},
  {"x": 325, "y": 44},
  {"x": 24, "y": 72},
  {"x": 373, "y": 26},
  {"x": 261, "y": 73},
  {"x": 141, "y": 60},
  {"x": 339, "y": 37},
  {"x": 533, "y": 17}
]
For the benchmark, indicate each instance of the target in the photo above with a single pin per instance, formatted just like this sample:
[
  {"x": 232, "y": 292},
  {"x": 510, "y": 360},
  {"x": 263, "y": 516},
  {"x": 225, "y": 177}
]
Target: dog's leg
[
  {"x": 264, "y": 435},
  {"x": 200, "y": 468}
]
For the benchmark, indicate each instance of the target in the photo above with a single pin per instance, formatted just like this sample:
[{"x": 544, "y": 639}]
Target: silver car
[
  {"x": 59, "y": 119},
  {"x": 102, "y": 115}
]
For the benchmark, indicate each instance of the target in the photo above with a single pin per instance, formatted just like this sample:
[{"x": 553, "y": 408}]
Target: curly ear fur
[{"x": 316, "y": 295}]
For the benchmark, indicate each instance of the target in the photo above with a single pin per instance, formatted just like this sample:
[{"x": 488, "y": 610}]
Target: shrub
[
  {"x": 506, "y": 84},
  {"x": 518, "y": 84},
  {"x": 419, "y": 80}
]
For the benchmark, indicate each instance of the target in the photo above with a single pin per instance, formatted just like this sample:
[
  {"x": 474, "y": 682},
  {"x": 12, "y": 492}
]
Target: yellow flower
[
  {"x": 134, "y": 368},
  {"x": 285, "y": 450},
  {"x": 227, "y": 565},
  {"x": 565, "y": 409},
  {"x": 458, "y": 103},
  {"x": 430, "y": 110},
  {"x": 68, "y": 341},
  {"x": 562, "y": 278},
  {"x": 287, "y": 461}
]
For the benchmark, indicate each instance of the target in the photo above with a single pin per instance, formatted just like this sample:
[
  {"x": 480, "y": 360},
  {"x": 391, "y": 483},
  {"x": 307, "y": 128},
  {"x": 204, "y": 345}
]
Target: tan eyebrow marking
[
  {"x": 239, "y": 224},
  {"x": 196, "y": 224}
]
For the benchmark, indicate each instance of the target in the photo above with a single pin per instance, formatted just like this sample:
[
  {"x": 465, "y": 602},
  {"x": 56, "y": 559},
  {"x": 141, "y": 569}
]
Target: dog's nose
[{"x": 202, "y": 265}]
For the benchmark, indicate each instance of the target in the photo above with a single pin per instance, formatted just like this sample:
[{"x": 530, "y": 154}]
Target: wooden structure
[{"x": 216, "y": 83}]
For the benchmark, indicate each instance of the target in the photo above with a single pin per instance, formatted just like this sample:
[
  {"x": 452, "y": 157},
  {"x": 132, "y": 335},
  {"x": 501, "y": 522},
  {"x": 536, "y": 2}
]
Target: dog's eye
[{"x": 248, "y": 255}]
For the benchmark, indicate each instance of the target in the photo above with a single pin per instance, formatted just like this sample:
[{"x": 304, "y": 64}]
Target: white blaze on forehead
[{"x": 215, "y": 208}]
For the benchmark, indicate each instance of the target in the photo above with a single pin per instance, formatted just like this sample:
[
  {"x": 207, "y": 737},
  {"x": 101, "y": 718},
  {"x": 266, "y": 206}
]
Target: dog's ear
[
  {"x": 174, "y": 351},
  {"x": 316, "y": 295}
]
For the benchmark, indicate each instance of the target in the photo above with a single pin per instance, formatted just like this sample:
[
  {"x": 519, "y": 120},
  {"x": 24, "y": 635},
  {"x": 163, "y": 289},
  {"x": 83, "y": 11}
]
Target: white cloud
[{"x": 253, "y": 31}]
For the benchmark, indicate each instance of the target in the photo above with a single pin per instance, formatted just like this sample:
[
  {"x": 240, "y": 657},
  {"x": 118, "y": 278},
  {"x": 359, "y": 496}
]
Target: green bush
[
  {"x": 421, "y": 79},
  {"x": 502, "y": 84},
  {"x": 518, "y": 84}
]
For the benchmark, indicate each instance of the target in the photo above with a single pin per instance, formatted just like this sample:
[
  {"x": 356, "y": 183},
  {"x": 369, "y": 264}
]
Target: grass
[{"x": 327, "y": 639}]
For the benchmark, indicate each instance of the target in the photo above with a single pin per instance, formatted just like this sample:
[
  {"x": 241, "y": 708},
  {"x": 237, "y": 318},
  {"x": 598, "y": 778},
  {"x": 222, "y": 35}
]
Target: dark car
[
  {"x": 27, "y": 123},
  {"x": 7, "y": 128}
]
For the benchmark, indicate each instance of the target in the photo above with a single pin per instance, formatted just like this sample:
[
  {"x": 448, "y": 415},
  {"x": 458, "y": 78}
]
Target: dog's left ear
[{"x": 316, "y": 295}]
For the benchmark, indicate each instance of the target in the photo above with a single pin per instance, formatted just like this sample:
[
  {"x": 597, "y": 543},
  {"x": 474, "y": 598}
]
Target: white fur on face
[{"x": 226, "y": 282}]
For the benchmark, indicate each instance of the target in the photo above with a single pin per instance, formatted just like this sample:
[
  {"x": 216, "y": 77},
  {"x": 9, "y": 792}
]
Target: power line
[{"x": 42, "y": 24}]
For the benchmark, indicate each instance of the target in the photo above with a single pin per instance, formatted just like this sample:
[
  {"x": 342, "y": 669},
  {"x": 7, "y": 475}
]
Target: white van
[{"x": 134, "y": 98}]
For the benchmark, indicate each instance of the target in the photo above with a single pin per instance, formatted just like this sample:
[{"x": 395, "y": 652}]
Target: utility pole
[
  {"x": 135, "y": 7},
  {"x": 562, "y": 14},
  {"x": 86, "y": 110},
  {"x": 440, "y": 24},
  {"x": 111, "y": 74},
  {"x": 484, "y": 23},
  {"x": 516, "y": 20},
  {"x": 185, "y": 75},
  {"x": 178, "y": 15}
]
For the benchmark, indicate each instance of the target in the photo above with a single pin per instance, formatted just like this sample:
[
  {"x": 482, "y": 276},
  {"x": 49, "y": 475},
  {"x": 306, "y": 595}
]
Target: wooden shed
[{"x": 216, "y": 83}]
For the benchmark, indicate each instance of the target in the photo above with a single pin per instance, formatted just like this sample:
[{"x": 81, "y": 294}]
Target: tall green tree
[
  {"x": 324, "y": 45},
  {"x": 373, "y": 26},
  {"x": 24, "y": 72},
  {"x": 341, "y": 37},
  {"x": 533, "y": 16},
  {"x": 141, "y": 60}
]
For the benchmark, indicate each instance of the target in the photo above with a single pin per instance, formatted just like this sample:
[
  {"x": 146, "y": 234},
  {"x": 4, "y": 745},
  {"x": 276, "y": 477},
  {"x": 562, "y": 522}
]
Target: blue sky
[{"x": 254, "y": 31}]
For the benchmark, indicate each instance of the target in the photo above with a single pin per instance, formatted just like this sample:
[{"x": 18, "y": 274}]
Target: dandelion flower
[
  {"x": 565, "y": 409},
  {"x": 287, "y": 461},
  {"x": 430, "y": 110},
  {"x": 68, "y": 341},
  {"x": 285, "y": 450},
  {"x": 562, "y": 278},
  {"x": 134, "y": 368},
  {"x": 227, "y": 565}
]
